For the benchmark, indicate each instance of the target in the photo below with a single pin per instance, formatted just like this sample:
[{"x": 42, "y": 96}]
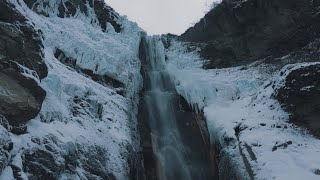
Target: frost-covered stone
[
  {"x": 97, "y": 9},
  {"x": 6, "y": 146},
  {"x": 300, "y": 95},
  {"x": 21, "y": 96}
]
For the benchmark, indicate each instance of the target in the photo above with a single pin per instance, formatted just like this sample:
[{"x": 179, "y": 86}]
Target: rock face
[
  {"x": 235, "y": 32},
  {"x": 105, "y": 14},
  {"x": 21, "y": 97},
  {"x": 300, "y": 95},
  {"x": 46, "y": 162},
  {"x": 20, "y": 53},
  {"x": 19, "y": 41},
  {"x": 6, "y": 146}
]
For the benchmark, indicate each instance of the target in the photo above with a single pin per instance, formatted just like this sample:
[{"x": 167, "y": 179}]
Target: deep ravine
[{"x": 179, "y": 149}]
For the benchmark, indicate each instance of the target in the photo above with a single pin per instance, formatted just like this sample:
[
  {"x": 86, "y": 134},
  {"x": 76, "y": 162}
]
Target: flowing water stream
[{"x": 177, "y": 160}]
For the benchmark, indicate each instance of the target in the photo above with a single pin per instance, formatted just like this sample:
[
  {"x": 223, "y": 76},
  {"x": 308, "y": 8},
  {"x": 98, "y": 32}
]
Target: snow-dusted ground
[
  {"x": 240, "y": 98},
  {"x": 77, "y": 110}
]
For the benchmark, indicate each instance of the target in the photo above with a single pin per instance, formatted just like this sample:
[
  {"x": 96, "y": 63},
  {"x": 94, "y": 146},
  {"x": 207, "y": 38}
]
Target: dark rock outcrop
[
  {"x": 21, "y": 96},
  {"x": 103, "y": 12},
  {"x": 52, "y": 159},
  {"x": 106, "y": 14},
  {"x": 41, "y": 164},
  {"x": 20, "y": 51},
  {"x": 6, "y": 146},
  {"x": 300, "y": 95},
  {"x": 19, "y": 41},
  {"x": 236, "y": 33}
]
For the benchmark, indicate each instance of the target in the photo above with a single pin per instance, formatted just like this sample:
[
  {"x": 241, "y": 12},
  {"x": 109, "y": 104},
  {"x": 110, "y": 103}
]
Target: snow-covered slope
[
  {"x": 244, "y": 119},
  {"x": 85, "y": 129}
]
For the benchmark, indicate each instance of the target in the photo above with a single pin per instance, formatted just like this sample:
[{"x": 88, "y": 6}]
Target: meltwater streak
[{"x": 167, "y": 142}]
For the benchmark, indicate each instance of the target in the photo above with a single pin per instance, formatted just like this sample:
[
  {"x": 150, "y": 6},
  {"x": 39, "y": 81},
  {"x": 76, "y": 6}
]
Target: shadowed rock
[
  {"x": 20, "y": 50},
  {"x": 6, "y": 146},
  {"x": 300, "y": 96},
  {"x": 21, "y": 97},
  {"x": 103, "y": 12},
  {"x": 235, "y": 33},
  {"x": 19, "y": 41},
  {"x": 52, "y": 159}
]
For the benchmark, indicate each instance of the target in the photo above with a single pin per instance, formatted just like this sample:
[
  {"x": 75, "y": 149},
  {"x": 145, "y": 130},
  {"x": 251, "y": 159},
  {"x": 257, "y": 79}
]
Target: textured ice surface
[{"x": 77, "y": 111}]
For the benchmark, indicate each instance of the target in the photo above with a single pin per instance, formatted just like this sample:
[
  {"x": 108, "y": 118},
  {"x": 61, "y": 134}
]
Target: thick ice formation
[
  {"x": 78, "y": 112},
  {"x": 113, "y": 54}
]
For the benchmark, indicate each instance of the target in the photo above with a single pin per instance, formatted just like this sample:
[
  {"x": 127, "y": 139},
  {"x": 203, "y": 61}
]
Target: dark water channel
[{"x": 180, "y": 147}]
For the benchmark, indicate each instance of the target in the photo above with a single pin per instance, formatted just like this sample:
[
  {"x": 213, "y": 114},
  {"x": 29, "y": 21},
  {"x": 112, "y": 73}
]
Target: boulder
[
  {"x": 21, "y": 97},
  {"x": 300, "y": 96}
]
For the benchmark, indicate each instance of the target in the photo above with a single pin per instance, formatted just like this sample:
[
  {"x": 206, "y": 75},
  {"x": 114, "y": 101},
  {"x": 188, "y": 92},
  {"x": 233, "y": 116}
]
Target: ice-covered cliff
[
  {"x": 241, "y": 85},
  {"x": 69, "y": 80}
]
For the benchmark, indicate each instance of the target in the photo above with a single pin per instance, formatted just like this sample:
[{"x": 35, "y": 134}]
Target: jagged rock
[
  {"x": 300, "y": 95},
  {"x": 62, "y": 8},
  {"x": 52, "y": 159},
  {"x": 20, "y": 49},
  {"x": 8, "y": 14},
  {"x": 4, "y": 122},
  {"x": 19, "y": 41},
  {"x": 21, "y": 97},
  {"x": 106, "y": 14},
  {"x": 6, "y": 146},
  {"x": 69, "y": 8},
  {"x": 236, "y": 33},
  {"x": 41, "y": 164}
]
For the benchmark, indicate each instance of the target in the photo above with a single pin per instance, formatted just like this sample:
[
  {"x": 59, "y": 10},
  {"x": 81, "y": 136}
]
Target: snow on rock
[
  {"x": 85, "y": 130},
  {"x": 112, "y": 54},
  {"x": 243, "y": 117}
]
